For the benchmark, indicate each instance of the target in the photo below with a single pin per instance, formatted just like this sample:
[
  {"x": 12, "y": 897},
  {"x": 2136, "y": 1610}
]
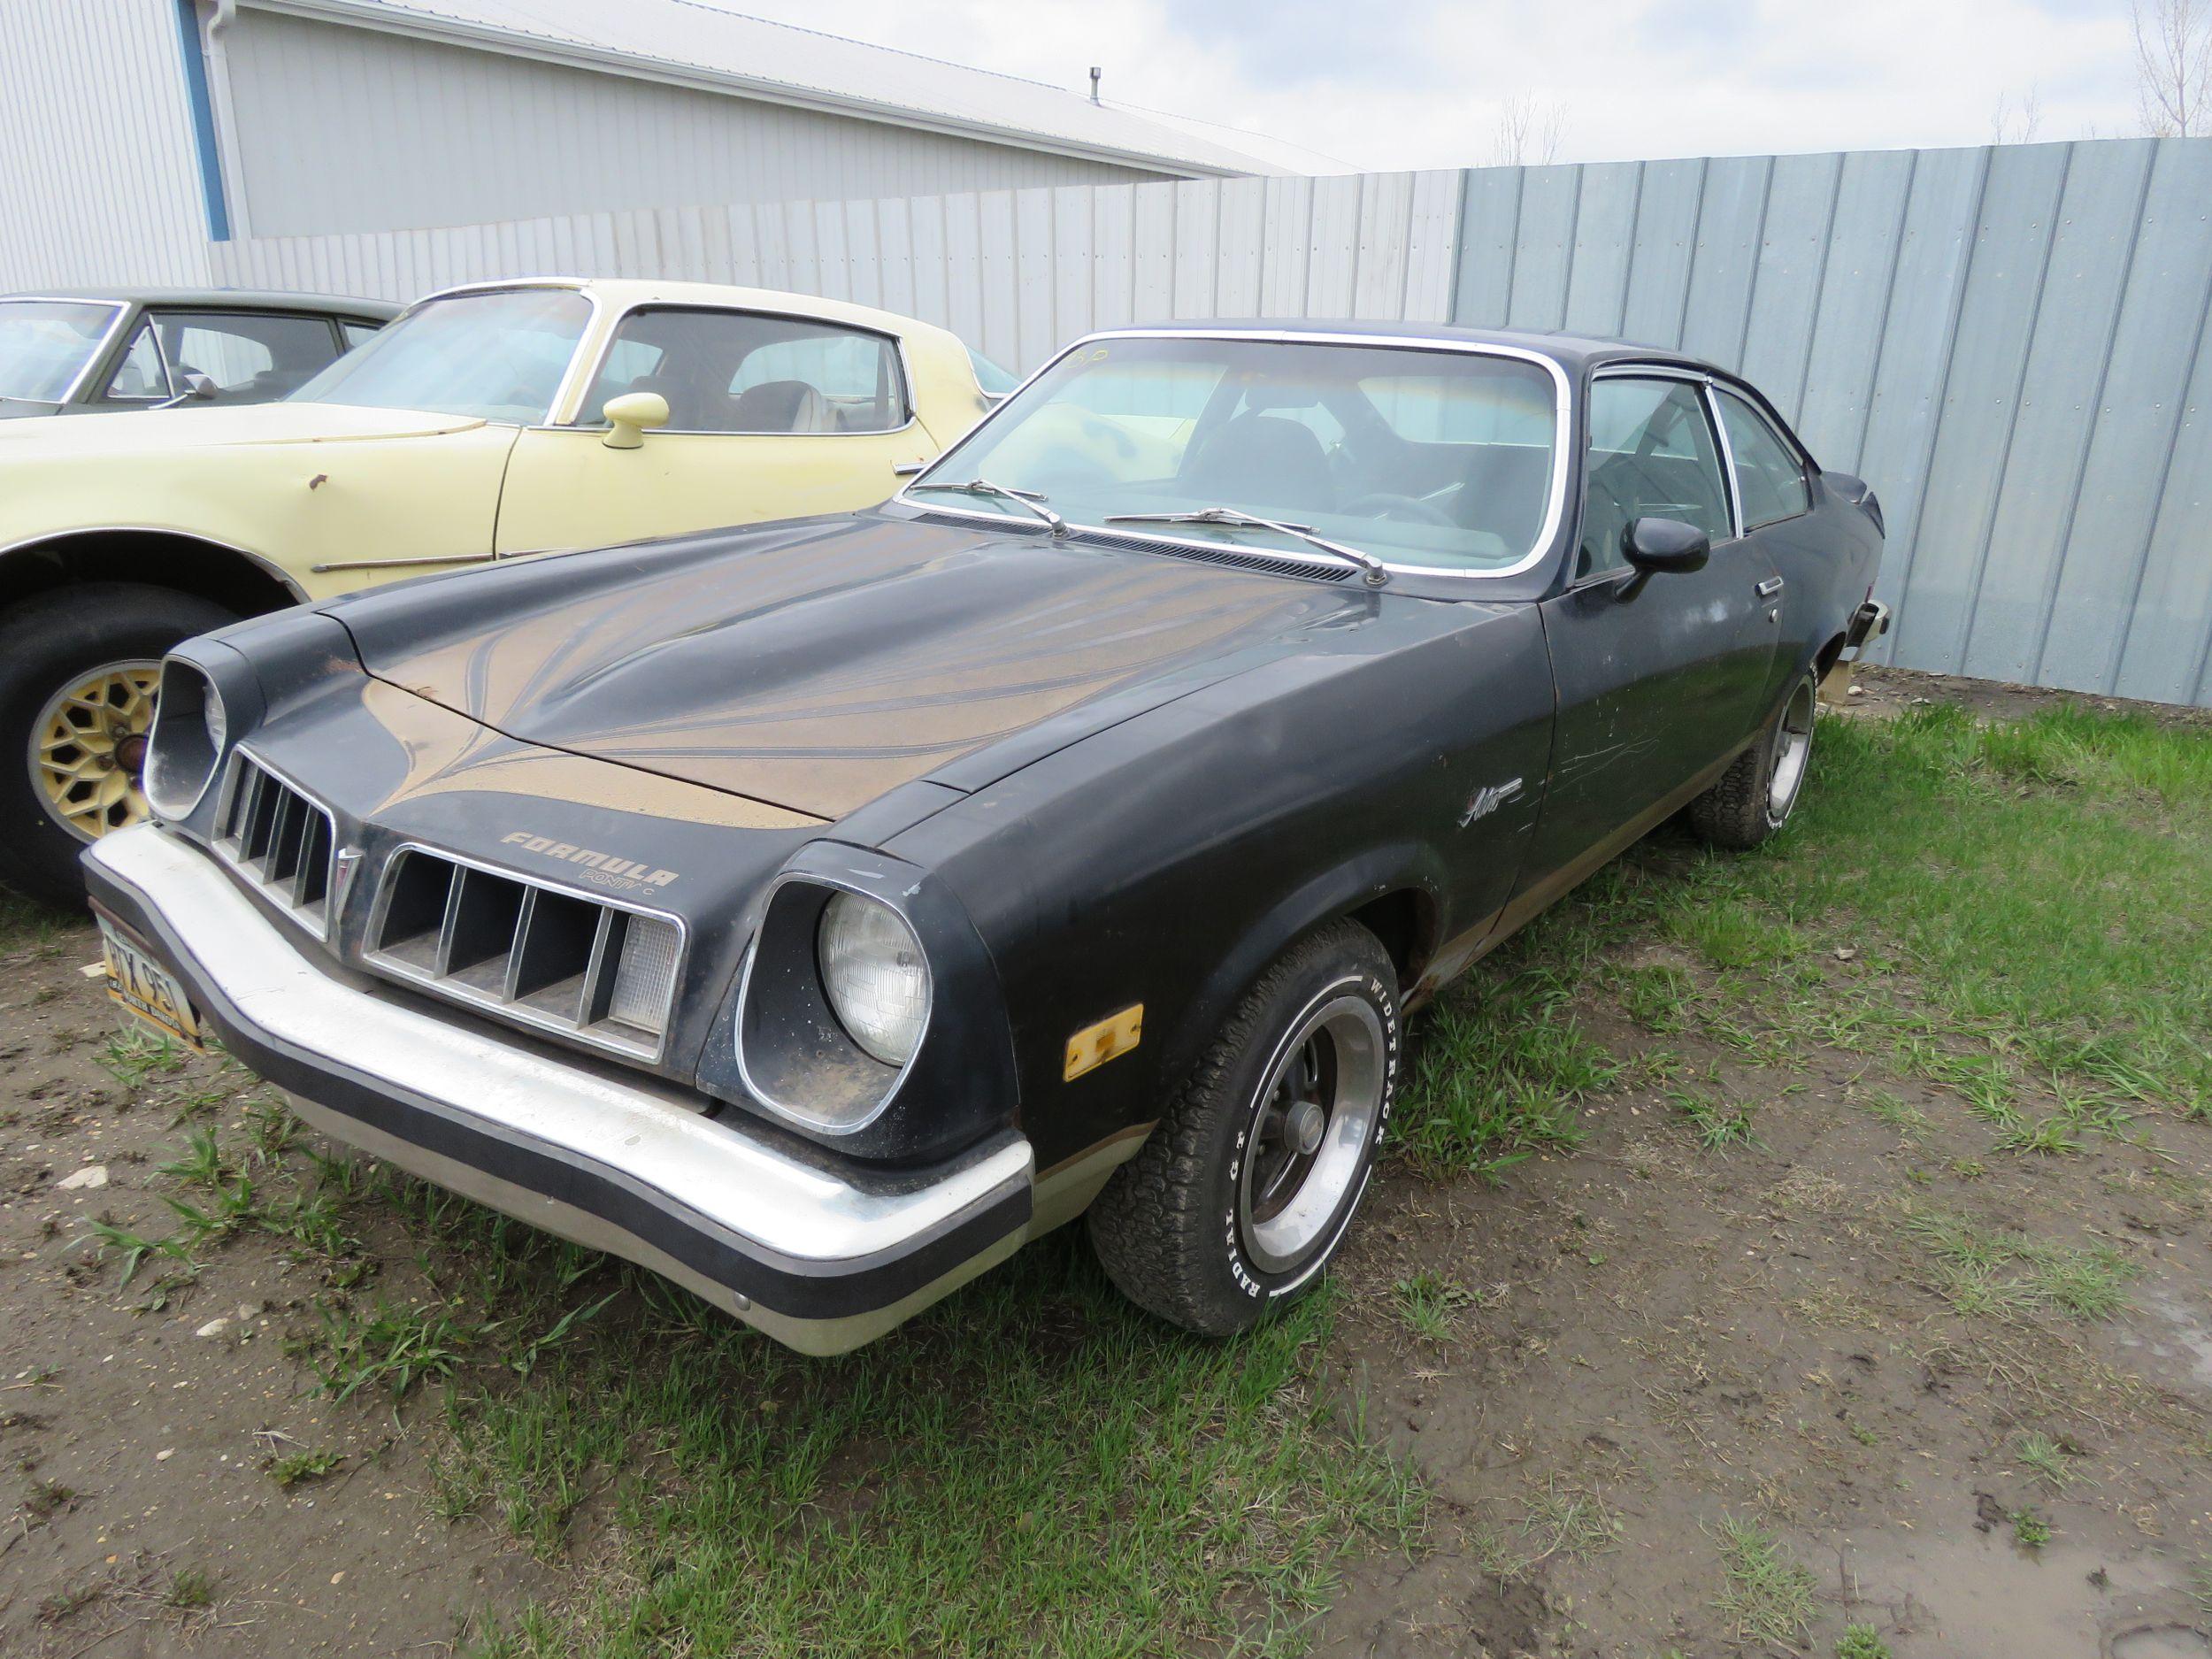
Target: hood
[
  {"x": 815, "y": 666},
  {"x": 244, "y": 424}
]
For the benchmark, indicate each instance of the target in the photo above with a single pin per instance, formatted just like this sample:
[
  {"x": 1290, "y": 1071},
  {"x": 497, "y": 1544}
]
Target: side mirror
[
  {"x": 1657, "y": 545},
  {"x": 631, "y": 415}
]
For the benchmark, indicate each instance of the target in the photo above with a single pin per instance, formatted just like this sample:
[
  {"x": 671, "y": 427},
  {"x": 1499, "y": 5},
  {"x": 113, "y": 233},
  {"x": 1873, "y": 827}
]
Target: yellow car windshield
[{"x": 498, "y": 355}]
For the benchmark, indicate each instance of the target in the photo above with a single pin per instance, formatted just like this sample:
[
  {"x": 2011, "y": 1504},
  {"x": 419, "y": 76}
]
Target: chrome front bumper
[{"x": 614, "y": 1159}]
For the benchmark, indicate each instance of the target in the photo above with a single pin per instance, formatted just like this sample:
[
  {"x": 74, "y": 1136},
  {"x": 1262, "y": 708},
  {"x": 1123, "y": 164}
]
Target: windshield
[
  {"x": 498, "y": 355},
  {"x": 45, "y": 344},
  {"x": 1440, "y": 459}
]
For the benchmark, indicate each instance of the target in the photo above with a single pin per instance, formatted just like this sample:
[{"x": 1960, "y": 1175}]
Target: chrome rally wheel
[
  {"x": 1310, "y": 1135},
  {"x": 1246, "y": 1187}
]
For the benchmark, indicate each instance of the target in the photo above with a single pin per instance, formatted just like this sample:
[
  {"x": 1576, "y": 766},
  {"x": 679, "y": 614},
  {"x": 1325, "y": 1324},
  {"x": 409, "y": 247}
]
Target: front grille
[
  {"x": 280, "y": 839},
  {"x": 540, "y": 954}
]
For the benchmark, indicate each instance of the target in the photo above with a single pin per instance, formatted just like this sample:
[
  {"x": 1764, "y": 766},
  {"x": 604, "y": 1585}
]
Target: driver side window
[{"x": 1652, "y": 455}]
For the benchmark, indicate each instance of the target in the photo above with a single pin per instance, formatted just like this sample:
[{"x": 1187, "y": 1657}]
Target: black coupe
[{"x": 815, "y": 911}]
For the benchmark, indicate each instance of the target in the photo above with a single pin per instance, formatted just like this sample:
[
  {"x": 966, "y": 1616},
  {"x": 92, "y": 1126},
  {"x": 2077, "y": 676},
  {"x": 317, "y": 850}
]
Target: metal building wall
[
  {"x": 2010, "y": 343},
  {"x": 101, "y": 181},
  {"x": 1015, "y": 273},
  {"x": 348, "y": 129}
]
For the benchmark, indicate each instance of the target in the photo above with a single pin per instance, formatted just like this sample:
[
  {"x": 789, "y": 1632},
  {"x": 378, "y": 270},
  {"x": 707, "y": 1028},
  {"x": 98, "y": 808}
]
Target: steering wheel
[{"x": 1389, "y": 507}]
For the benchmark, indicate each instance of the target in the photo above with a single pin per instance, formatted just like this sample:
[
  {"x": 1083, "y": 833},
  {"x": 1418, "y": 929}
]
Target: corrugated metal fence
[
  {"x": 2010, "y": 343},
  {"x": 1015, "y": 273}
]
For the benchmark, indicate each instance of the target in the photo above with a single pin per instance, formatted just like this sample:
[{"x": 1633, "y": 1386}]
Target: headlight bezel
[
  {"x": 794, "y": 1053},
  {"x": 191, "y": 735},
  {"x": 775, "y": 1050}
]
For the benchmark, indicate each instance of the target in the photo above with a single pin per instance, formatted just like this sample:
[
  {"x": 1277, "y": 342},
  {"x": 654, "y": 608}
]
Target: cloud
[{"x": 1420, "y": 84}]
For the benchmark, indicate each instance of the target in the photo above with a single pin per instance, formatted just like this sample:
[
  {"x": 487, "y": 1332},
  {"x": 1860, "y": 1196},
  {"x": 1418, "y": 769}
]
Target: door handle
[{"x": 1768, "y": 588}]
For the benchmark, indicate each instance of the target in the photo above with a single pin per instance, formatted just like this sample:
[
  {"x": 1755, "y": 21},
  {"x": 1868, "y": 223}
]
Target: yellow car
[{"x": 487, "y": 422}]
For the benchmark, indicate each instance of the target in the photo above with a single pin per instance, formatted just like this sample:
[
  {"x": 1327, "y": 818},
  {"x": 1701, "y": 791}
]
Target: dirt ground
[{"x": 1644, "y": 1343}]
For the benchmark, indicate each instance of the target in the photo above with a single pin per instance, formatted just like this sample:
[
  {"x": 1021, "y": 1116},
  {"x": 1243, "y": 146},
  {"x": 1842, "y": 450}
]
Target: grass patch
[
  {"x": 297, "y": 1467},
  {"x": 188, "y": 1590},
  {"x": 1862, "y": 1641},
  {"x": 1499, "y": 1075},
  {"x": 1031, "y": 1467},
  {"x": 1428, "y": 1302},
  {"x": 2048, "y": 1459},
  {"x": 2031, "y": 1530},
  {"x": 1987, "y": 1270},
  {"x": 1766, "y": 1593},
  {"x": 2025, "y": 911}
]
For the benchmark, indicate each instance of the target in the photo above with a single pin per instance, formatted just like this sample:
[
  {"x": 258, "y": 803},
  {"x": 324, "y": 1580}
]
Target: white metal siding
[
  {"x": 100, "y": 181},
  {"x": 1015, "y": 273},
  {"x": 347, "y": 129}
]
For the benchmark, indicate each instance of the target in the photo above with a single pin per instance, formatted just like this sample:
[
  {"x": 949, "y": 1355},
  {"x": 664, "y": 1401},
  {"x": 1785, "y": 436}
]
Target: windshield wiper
[
  {"x": 1377, "y": 571},
  {"x": 1029, "y": 498}
]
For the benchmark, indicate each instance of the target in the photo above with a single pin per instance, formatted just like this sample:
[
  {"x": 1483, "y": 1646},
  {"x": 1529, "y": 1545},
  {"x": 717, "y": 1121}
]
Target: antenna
[{"x": 1096, "y": 72}]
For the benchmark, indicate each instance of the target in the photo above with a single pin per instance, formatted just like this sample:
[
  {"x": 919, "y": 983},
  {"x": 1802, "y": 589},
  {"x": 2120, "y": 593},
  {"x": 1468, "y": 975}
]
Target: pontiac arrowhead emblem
[{"x": 341, "y": 873}]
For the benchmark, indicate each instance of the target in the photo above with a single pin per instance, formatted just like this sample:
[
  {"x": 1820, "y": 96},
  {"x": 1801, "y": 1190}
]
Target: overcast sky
[{"x": 1420, "y": 83}]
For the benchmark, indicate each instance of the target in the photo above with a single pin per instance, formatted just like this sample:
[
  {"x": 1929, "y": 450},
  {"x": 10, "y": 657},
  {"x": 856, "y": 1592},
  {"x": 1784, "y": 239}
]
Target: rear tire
[
  {"x": 81, "y": 660},
  {"x": 1247, "y": 1185},
  {"x": 1753, "y": 798}
]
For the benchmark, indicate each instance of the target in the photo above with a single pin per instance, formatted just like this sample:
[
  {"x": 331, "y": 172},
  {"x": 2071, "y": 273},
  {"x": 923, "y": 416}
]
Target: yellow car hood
[{"x": 143, "y": 431}]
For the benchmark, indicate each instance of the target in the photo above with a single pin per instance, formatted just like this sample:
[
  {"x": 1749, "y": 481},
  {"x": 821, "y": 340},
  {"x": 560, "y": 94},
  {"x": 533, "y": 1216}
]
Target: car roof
[
  {"x": 1571, "y": 351},
  {"x": 621, "y": 293},
  {"x": 219, "y": 299}
]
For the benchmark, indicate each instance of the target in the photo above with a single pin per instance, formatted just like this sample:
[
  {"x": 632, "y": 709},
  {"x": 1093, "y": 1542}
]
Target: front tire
[
  {"x": 1756, "y": 795},
  {"x": 1245, "y": 1188},
  {"x": 79, "y": 666}
]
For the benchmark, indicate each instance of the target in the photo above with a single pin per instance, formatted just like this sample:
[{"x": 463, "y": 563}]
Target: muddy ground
[{"x": 1644, "y": 1341}]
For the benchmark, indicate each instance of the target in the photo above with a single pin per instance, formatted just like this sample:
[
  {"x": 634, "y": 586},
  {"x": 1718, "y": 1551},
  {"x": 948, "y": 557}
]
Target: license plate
[{"x": 145, "y": 988}]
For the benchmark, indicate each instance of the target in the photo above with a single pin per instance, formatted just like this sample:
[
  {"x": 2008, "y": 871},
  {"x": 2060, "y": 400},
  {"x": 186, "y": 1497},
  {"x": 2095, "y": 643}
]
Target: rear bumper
[
  {"x": 612, "y": 1159},
  {"x": 1868, "y": 623}
]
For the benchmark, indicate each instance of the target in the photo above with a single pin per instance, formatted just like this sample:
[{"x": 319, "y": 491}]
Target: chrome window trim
[
  {"x": 231, "y": 770},
  {"x": 775, "y": 1107},
  {"x": 463, "y": 997},
  {"x": 1562, "y": 436},
  {"x": 1714, "y": 388},
  {"x": 1704, "y": 379},
  {"x": 106, "y": 342},
  {"x": 575, "y": 422},
  {"x": 168, "y": 394}
]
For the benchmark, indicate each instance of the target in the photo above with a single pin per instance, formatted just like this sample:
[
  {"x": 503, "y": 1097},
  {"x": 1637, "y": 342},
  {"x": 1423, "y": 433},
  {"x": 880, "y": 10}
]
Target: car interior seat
[
  {"x": 1262, "y": 463},
  {"x": 780, "y": 406}
]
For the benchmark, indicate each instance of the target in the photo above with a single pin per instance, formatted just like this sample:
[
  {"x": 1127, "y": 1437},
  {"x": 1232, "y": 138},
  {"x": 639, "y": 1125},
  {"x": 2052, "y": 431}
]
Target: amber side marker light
[{"x": 1092, "y": 1046}]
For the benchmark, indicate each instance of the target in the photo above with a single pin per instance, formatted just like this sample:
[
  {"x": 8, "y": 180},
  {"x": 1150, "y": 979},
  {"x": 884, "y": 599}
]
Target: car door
[
  {"x": 770, "y": 417},
  {"x": 1774, "y": 486},
  {"x": 1659, "y": 676}
]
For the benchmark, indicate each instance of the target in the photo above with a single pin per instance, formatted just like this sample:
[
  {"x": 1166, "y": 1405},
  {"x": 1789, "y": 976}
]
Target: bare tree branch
[
  {"x": 2173, "y": 61},
  {"x": 2009, "y": 125},
  {"x": 1530, "y": 131}
]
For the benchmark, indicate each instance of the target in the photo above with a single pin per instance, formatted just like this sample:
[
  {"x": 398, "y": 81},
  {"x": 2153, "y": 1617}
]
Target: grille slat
[
  {"x": 540, "y": 954},
  {"x": 280, "y": 840}
]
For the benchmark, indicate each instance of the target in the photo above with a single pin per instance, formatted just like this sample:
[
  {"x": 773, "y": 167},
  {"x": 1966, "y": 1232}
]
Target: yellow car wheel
[
  {"x": 79, "y": 668},
  {"x": 88, "y": 747}
]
